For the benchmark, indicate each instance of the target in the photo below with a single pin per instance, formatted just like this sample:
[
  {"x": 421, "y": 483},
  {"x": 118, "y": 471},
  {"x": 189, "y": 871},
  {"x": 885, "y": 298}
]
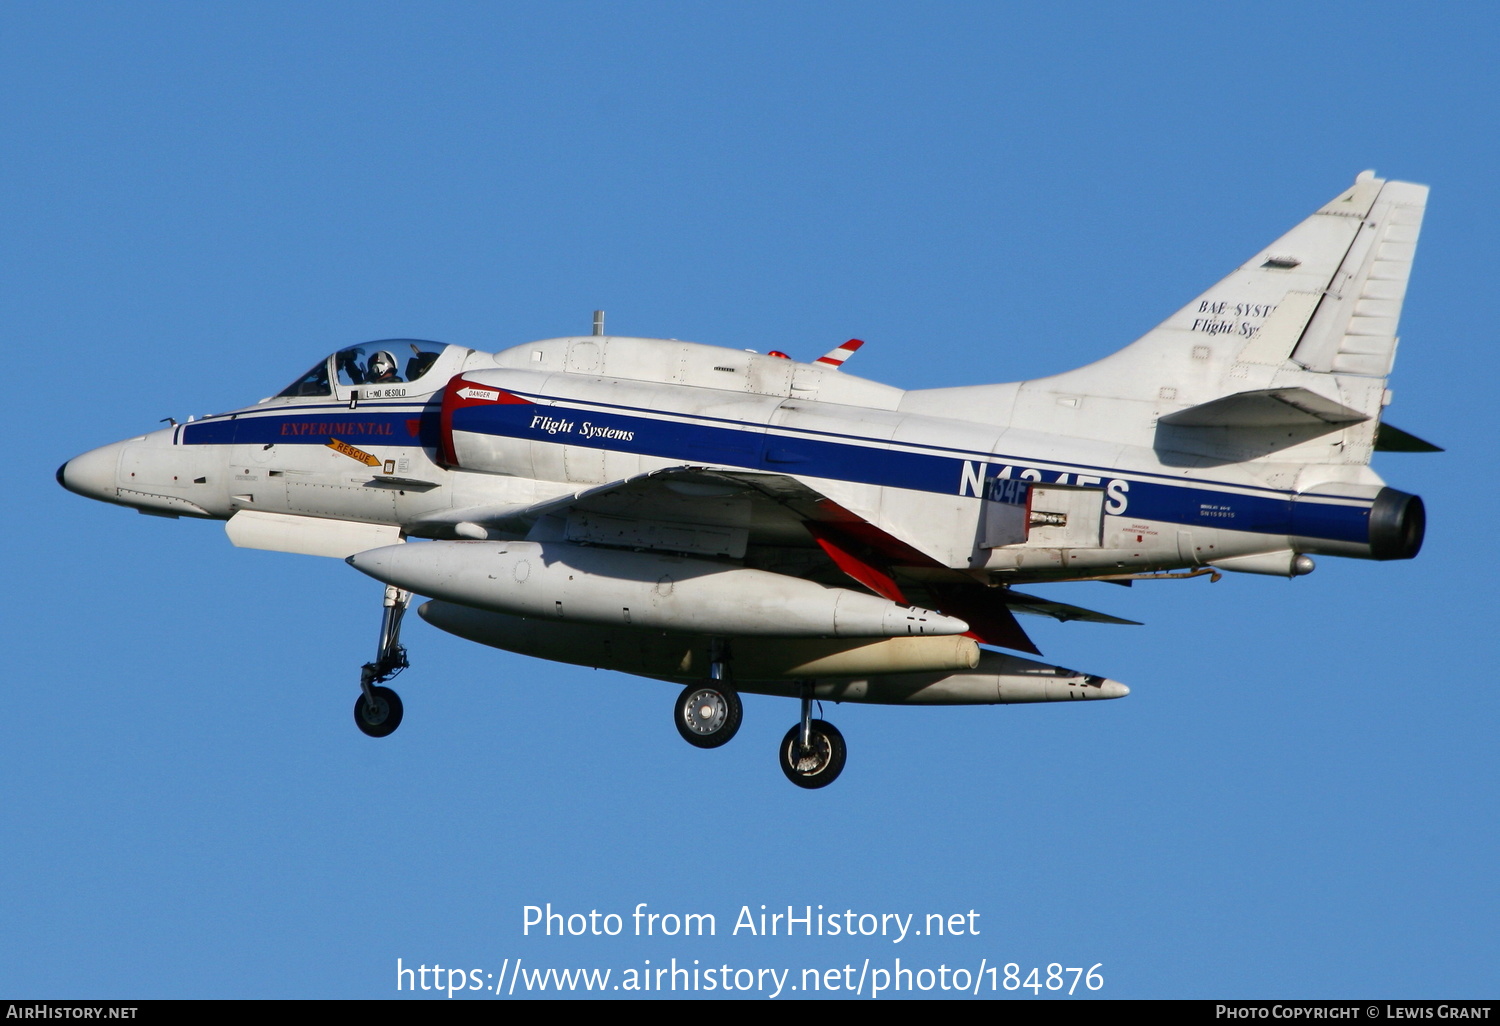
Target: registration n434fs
[{"x": 734, "y": 521}]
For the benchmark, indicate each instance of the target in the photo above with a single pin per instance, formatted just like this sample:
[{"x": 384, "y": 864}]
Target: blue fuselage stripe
[{"x": 805, "y": 454}]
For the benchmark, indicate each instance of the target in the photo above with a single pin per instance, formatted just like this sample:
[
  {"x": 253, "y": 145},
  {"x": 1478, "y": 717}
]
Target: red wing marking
[
  {"x": 866, "y": 572},
  {"x": 867, "y": 554},
  {"x": 856, "y": 530}
]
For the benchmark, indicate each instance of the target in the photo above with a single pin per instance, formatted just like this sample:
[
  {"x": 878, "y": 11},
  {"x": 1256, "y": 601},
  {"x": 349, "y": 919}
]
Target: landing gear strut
[
  {"x": 813, "y": 751},
  {"x": 377, "y": 711},
  {"x": 708, "y": 715}
]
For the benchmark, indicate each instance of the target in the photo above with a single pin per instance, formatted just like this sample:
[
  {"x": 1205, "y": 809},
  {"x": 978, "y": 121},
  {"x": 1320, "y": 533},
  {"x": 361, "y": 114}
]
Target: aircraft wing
[
  {"x": 680, "y": 509},
  {"x": 772, "y": 521}
]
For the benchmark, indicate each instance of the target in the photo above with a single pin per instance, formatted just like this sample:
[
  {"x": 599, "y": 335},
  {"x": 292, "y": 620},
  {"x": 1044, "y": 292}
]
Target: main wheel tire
[
  {"x": 820, "y": 764},
  {"x": 383, "y": 717},
  {"x": 708, "y": 715}
]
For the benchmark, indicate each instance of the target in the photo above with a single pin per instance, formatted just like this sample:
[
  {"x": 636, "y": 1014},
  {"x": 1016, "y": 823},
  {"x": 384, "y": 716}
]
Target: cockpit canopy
[{"x": 387, "y": 361}]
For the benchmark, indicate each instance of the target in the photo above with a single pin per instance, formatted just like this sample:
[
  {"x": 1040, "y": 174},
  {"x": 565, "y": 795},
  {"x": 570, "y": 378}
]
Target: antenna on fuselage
[{"x": 598, "y": 322}]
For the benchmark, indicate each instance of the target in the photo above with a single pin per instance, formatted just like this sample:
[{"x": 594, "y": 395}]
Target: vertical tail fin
[
  {"x": 1302, "y": 335},
  {"x": 1286, "y": 357},
  {"x": 1326, "y": 296},
  {"x": 1353, "y": 330}
]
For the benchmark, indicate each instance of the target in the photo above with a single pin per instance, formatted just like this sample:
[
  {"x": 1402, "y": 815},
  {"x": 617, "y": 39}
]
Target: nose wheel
[
  {"x": 377, "y": 711},
  {"x": 379, "y": 714}
]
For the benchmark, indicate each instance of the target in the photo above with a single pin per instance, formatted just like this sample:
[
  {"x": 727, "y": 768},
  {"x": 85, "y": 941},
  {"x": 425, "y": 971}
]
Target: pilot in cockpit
[{"x": 381, "y": 369}]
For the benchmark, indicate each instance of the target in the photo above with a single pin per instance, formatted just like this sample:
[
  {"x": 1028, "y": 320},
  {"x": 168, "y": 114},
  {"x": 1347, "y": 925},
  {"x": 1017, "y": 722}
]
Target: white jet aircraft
[{"x": 735, "y": 521}]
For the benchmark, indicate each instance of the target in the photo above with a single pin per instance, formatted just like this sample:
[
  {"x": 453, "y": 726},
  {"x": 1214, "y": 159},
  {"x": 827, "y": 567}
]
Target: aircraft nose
[
  {"x": 1112, "y": 689},
  {"x": 94, "y": 474}
]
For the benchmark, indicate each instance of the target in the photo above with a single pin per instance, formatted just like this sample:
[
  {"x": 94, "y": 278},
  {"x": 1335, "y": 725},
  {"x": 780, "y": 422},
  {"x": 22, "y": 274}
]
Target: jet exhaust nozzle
[{"x": 1398, "y": 523}]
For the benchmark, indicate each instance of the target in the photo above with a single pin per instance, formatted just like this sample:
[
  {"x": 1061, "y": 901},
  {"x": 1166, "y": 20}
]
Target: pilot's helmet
[{"x": 381, "y": 365}]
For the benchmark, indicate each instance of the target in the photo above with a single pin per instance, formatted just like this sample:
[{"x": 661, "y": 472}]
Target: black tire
[
  {"x": 382, "y": 719},
  {"x": 820, "y": 766},
  {"x": 708, "y": 715}
]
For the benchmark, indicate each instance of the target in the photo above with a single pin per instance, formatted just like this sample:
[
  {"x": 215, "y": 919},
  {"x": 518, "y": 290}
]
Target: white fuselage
[{"x": 582, "y": 412}]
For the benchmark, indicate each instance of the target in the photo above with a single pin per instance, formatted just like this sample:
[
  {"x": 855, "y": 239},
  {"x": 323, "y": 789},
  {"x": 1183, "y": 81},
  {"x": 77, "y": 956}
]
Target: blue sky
[{"x": 1300, "y": 796}]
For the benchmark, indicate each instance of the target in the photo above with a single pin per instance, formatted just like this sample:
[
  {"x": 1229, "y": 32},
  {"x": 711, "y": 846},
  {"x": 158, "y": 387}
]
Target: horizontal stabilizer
[
  {"x": 1268, "y": 407},
  {"x": 1389, "y": 438},
  {"x": 1060, "y": 610}
]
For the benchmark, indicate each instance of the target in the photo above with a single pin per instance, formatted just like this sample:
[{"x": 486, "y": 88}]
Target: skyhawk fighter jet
[{"x": 734, "y": 521}]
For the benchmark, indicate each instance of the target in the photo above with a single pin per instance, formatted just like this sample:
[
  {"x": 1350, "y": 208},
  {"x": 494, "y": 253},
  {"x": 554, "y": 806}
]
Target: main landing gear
[
  {"x": 813, "y": 751},
  {"x": 708, "y": 715},
  {"x": 377, "y": 711}
]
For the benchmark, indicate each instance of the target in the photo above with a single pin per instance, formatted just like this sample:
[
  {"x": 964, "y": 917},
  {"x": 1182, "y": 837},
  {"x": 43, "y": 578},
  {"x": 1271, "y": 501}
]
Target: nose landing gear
[{"x": 377, "y": 711}]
